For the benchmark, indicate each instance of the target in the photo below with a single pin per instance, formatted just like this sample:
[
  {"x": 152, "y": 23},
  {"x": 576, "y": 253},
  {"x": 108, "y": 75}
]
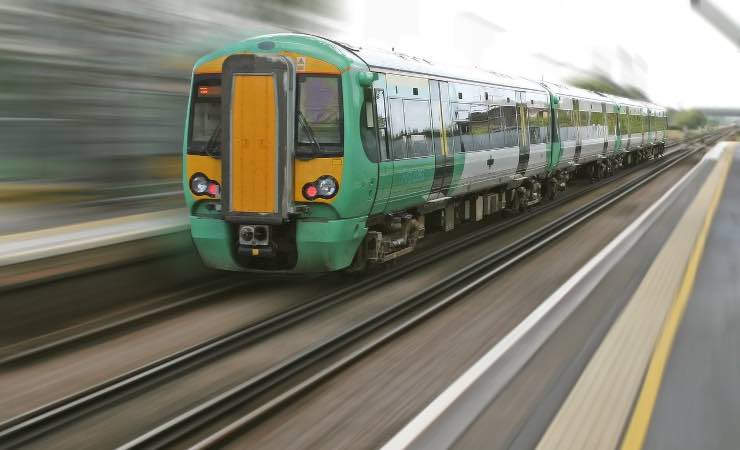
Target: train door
[
  {"x": 604, "y": 126},
  {"x": 441, "y": 135},
  {"x": 577, "y": 127},
  {"x": 410, "y": 138},
  {"x": 385, "y": 163},
  {"x": 624, "y": 126},
  {"x": 521, "y": 106},
  {"x": 255, "y": 167}
]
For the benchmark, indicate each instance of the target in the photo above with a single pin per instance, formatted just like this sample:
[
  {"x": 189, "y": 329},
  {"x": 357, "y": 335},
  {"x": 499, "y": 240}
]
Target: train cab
[{"x": 267, "y": 148}]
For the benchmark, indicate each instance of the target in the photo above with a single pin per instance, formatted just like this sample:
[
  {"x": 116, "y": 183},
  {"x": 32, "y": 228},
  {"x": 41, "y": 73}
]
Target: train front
[{"x": 274, "y": 173}]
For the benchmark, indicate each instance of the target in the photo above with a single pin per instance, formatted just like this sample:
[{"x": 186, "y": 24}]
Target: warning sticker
[{"x": 300, "y": 63}]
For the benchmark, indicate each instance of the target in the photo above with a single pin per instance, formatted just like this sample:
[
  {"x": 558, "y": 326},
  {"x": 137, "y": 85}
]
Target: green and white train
[{"x": 303, "y": 154}]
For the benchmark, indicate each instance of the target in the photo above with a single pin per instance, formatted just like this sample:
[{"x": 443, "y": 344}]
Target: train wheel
[
  {"x": 359, "y": 262},
  {"x": 552, "y": 188},
  {"x": 515, "y": 202}
]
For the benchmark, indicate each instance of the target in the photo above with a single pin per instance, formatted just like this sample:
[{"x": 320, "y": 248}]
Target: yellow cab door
[
  {"x": 253, "y": 144},
  {"x": 255, "y": 97}
]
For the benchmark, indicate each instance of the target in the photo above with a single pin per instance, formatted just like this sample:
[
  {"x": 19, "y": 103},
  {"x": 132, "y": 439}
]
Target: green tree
[
  {"x": 689, "y": 118},
  {"x": 602, "y": 83}
]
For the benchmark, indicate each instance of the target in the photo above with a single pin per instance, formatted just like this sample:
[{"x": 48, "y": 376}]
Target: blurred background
[{"x": 92, "y": 97}]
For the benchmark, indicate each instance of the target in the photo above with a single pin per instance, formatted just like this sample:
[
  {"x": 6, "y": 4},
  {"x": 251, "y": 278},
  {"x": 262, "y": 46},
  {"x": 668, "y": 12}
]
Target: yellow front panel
[
  {"x": 307, "y": 171},
  {"x": 253, "y": 146},
  {"x": 208, "y": 166}
]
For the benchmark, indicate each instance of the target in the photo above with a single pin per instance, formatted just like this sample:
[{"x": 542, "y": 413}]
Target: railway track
[
  {"x": 24, "y": 428},
  {"x": 9, "y": 355},
  {"x": 395, "y": 320},
  {"x": 22, "y": 351}
]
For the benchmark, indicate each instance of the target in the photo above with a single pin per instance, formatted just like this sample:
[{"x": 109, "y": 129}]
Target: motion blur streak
[{"x": 93, "y": 94}]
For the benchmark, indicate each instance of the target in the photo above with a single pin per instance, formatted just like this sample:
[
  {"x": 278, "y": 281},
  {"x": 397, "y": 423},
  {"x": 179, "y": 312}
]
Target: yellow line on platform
[{"x": 637, "y": 428}]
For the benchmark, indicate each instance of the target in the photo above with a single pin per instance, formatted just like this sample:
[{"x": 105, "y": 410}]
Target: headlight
[
  {"x": 327, "y": 186},
  {"x": 199, "y": 184}
]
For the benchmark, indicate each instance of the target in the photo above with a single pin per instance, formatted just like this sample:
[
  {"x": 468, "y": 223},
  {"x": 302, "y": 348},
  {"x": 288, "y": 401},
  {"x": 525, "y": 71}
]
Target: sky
[{"x": 661, "y": 46}]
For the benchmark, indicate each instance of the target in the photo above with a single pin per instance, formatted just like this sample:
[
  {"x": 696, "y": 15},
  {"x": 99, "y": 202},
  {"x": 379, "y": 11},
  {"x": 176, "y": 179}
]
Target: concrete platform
[
  {"x": 628, "y": 396},
  {"x": 584, "y": 370},
  {"x": 39, "y": 256},
  {"x": 29, "y": 246},
  {"x": 698, "y": 404}
]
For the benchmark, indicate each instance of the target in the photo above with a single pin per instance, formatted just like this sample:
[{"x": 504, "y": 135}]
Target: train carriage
[
  {"x": 586, "y": 122},
  {"x": 642, "y": 128},
  {"x": 657, "y": 125},
  {"x": 302, "y": 154}
]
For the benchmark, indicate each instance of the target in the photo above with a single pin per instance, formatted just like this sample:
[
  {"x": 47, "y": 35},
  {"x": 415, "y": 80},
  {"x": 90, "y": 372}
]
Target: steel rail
[{"x": 187, "y": 297}]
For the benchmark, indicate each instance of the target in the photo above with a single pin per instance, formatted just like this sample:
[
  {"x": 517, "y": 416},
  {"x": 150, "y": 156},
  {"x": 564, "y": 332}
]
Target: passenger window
[
  {"x": 512, "y": 131},
  {"x": 624, "y": 124},
  {"x": 565, "y": 123},
  {"x": 585, "y": 122},
  {"x": 597, "y": 122},
  {"x": 417, "y": 114},
  {"x": 451, "y": 129},
  {"x": 611, "y": 123},
  {"x": 537, "y": 127},
  {"x": 462, "y": 126},
  {"x": 498, "y": 139},
  {"x": 398, "y": 128},
  {"x": 479, "y": 127}
]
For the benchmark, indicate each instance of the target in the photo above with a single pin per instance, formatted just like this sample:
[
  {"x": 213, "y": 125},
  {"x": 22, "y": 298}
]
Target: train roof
[
  {"x": 632, "y": 102},
  {"x": 564, "y": 89},
  {"x": 572, "y": 91},
  {"x": 391, "y": 61},
  {"x": 384, "y": 60}
]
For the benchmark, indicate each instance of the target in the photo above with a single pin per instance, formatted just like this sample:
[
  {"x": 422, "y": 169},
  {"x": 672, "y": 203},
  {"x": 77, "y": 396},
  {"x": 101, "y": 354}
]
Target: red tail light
[
  {"x": 214, "y": 190},
  {"x": 310, "y": 191}
]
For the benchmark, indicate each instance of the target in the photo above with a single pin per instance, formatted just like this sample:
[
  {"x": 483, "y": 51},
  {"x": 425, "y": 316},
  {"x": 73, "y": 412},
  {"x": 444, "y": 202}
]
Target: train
[{"x": 306, "y": 154}]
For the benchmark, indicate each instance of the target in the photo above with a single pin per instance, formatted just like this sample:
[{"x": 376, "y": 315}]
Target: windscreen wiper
[
  {"x": 212, "y": 141},
  {"x": 309, "y": 131}
]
